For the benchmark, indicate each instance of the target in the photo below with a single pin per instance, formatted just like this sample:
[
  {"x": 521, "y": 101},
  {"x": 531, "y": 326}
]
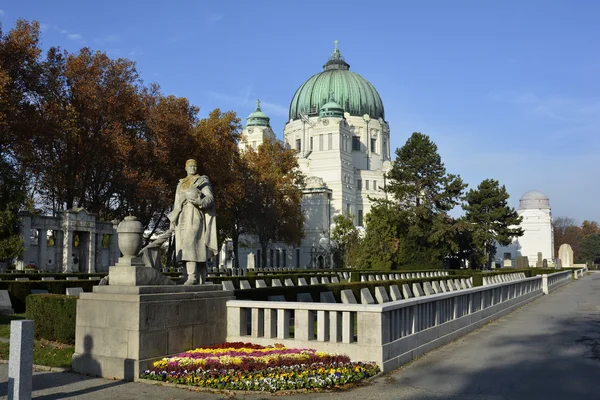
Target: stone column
[
  {"x": 91, "y": 250},
  {"x": 67, "y": 260},
  {"x": 26, "y": 235},
  {"x": 58, "y": 250},
  {"x": 42, "y": 249},
  {"x": 98, "y": 258}
]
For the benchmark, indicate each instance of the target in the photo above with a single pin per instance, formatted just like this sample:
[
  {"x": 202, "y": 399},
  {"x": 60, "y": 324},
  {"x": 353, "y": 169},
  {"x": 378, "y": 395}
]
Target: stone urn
[{"x": 130, "y": 236}]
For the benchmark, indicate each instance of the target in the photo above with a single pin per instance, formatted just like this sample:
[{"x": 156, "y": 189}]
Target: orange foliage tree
[{"x": 273, "y": 196}]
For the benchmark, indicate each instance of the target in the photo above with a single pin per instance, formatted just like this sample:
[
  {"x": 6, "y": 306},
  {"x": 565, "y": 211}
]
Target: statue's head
[{"x": 191, "y": 166}]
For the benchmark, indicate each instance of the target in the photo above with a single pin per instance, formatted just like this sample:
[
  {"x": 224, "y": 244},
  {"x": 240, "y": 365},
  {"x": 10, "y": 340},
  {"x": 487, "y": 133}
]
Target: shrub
[
  {"x": 19, "y": 290},
  {"x": 54, "y": 316}
]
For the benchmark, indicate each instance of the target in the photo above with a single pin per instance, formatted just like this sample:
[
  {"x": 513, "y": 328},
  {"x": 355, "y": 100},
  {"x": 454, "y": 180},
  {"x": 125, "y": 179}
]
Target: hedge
[
  {"x": 20, "y": 290},
  {"x": 54, "y": 316}
]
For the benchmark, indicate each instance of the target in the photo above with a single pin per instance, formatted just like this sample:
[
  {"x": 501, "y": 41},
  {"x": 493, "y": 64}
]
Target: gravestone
[
  {"x": 436, "y": 287},
  {"x": 72, "y": 278},
  {"x": 5, "y": 304},
  {"x": 451, "y": 285},
  {"x": 302, "y": 282},
  {"x": 74, "y": 291},
  {"x": 39, "y": 291},
  {"x": 366, "y": 297},
  {"x": 276, "y": 283},
  {"x": 48, "y": 278},
  {"x": 348, "y": 297},
  {"x": 245, "y": 285},
  {"x": 381, "y": 295},
  {"x": 260, "y": 283},
  {"x": 544, "y": 263},
  {"x": 428, "y": 289},
  {"x": 406, "y": 292},
  {"x": 304, "y": 298},
  {"x": 325, "y": 280},
  {"x": 288, "y": 282},
  {"x": 21, "y": 279},
  {"x": 395, "y": 293},
  {"x": 335, "y": 280},
  {"x": 565, "y": 254},
  {"x": 539, "y": 263},
  {"x": 227, "y": 285},
  {"x": 445, "y": 287},
  {"x": 250, "y": 261},
  {"x": 521, "y": 262},
  {"x": 314, "y": 280},
  {"x": 327, "y": 297},
  {"x": 417, "y": 290},
  {"x": 278, "y": 297}
]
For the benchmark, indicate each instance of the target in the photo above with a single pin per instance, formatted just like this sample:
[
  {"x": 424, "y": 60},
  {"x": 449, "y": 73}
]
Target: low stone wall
[{"x": 389, "y": 334}]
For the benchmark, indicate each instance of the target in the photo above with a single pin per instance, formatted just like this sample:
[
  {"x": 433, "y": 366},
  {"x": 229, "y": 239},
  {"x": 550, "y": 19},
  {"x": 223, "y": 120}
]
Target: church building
[{"x": 337, "y": 127}]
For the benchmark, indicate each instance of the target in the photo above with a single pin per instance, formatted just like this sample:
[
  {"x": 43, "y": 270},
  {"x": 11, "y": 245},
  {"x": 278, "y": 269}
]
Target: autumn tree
[
  {"x": 589, "y": 228},
  {"x": 12, "y": 197},
  {"x": 490, "y": 220},
  {"x": 566, "y": 231},
  {"x": 273, "y": 193}
]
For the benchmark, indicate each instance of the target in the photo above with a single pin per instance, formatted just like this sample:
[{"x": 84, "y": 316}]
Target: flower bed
[{"x": 246, "y": 366}]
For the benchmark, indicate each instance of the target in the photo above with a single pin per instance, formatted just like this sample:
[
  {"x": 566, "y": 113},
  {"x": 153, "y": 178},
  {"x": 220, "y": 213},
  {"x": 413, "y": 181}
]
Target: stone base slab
[
  {"x": 121, "y": 330},
  {"x": 134, "y": 275}
]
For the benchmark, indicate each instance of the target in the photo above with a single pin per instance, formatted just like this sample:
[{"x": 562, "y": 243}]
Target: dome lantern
[
  {"x": 331, "y": 109},
  {"x": 258, "y": 118}
]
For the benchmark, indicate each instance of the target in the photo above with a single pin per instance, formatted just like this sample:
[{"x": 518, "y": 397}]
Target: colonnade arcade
[{"x": 73, "y": 241}]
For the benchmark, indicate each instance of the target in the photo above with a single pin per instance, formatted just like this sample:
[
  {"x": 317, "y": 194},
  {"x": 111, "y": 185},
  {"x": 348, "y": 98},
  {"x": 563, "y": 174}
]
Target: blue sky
[{"x": 507, "y": 89}]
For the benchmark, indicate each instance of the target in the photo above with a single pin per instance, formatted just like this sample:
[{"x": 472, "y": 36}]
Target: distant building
[{"x": 538, "y": 236}]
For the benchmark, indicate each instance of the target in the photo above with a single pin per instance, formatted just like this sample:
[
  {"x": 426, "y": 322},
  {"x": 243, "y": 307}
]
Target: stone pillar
[
  {"x": 67, "y": 260},
  {"x": 42, "y": 249},
  {"x": 26, "y": 235},
  {"x": 91, "y": 250},
  {"x": 98, "y": 258},
  {"x": 20, "y": 363}
]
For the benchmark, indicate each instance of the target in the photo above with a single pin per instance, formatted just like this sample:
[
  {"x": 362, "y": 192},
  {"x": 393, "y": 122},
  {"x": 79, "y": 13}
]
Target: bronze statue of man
[{"x": 194, "y": 224}]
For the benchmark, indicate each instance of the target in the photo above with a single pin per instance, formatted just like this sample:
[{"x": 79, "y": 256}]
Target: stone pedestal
[{"x": 122, "y": 330}]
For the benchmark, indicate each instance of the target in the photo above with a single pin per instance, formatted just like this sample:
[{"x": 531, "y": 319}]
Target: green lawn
[
  {"x": 45, "y": 352},
  {"x": 5, "y": 324}
]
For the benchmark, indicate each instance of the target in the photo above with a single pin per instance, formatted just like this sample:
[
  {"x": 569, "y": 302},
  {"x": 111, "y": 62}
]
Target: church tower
[{"x": 257, "y": 129}]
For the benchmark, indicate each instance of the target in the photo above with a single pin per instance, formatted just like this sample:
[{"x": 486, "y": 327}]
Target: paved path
[{"x": 549, "y": 349}]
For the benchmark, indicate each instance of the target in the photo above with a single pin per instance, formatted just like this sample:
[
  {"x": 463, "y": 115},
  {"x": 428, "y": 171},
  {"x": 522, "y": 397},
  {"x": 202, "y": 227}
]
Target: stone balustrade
[{"x": 390, "y": 334}]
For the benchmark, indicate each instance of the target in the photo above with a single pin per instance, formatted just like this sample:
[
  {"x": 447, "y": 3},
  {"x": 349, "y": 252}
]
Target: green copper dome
[
  {"x": 354, "y": 93},
  {"x": 258, "y": 118}
]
